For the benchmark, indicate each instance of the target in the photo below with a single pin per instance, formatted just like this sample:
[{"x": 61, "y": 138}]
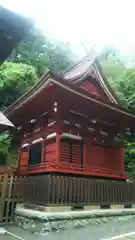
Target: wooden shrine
[
  {"x": 69, "y": 124},
  {"x": 68, "y": 130}
]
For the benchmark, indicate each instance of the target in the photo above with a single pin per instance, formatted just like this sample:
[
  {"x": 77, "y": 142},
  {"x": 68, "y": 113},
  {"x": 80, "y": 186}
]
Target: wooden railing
[
  {"x": 64, "y": 165},
  {"x": 68, "y": 167},
  {"x": 51, "y": 189},
  {"x": 42, "y": 167},
  {"x": 11, "y": 193}
]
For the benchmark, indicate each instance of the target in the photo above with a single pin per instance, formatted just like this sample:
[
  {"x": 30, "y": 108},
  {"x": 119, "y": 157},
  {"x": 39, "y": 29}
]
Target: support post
[
  {"x": 57, "y": 148},
  {"x": 122, "y": 160},
  {"x": 43, "y": 152},
  {"x": 85, "y": 154}
]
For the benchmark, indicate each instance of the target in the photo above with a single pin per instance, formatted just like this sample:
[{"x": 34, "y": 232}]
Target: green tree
[
  {"x": 42, "y": 53},
  {"x": 15, "y": 79},
  {"x": 127, "y": 86},
  {"x": 129, "y": 155},
  {"x": 30, "y": 59},
  {"x": 122, "y": 79},
  {"x": 108, "y": 51},
  {"x": 5, "y": 144},
  {"x": 113, "y": 68}
]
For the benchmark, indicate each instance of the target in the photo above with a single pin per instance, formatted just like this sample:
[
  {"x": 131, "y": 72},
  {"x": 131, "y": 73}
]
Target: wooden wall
[
  {"x": 50, "y": 150},
  {"x": 108, "y": 158},
  {"x": 93, "y": 88},
  {"x": 77, "y": 190},
  {"x": 70, "y": 151},
  {"x": 77, "y": 157}
]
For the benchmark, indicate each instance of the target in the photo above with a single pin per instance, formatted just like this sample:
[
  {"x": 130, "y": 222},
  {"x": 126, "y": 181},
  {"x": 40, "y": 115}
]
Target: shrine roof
[
  {"x": 84, "y": 68},
  {"x": 86, "y": 64},
  {"x": 13, "y": 27},
  {"x": 29, "y": 100},
  {"x": 5, "y": 124}
]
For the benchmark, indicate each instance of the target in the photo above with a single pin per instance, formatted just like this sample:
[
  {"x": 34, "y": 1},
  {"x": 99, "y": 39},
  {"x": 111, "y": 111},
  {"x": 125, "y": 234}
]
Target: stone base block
[
  {"x": 42, "y": 222},
  {"x": 58, "y": 208},
  {"x": 91, "y": 207},
  {"x": 117, "y": 206}
]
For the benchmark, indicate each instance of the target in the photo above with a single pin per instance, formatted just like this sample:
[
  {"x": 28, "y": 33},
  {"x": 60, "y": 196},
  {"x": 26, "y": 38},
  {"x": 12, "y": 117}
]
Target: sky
[{"x": 97, "y": 22}]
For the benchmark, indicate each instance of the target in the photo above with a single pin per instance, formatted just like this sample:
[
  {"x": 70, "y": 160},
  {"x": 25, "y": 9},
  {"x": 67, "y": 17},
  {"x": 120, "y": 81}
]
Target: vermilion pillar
[
  {"x": 57, "y": 148},
  {"x": 121, "y": 153},
  {"x": 85, "y": 153}
]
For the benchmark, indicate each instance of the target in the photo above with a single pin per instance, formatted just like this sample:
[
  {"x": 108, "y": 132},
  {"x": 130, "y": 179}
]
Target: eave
[{"x": 79, "y": 96}]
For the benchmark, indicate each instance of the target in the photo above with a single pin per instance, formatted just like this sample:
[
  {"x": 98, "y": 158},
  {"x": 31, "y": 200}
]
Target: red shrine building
[{"x": 69, "y": 125}]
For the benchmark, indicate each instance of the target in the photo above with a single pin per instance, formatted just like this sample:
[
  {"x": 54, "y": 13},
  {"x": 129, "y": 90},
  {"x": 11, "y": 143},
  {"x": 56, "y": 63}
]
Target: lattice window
[{"x": 35, "y": 153}]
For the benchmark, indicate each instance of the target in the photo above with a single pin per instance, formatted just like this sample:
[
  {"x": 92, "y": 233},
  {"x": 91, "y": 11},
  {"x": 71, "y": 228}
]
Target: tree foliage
[
  {"x": 15, "y": 79},
  {"x": 29, "y": 60},
  {"x": 43, "y": 53},
  {"x": 122, "y": 79},
  {"x": 5, "y": 143}
]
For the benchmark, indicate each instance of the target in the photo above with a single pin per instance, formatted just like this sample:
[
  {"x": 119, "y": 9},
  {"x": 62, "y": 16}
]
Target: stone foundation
[{"x": 40, "y": 221}]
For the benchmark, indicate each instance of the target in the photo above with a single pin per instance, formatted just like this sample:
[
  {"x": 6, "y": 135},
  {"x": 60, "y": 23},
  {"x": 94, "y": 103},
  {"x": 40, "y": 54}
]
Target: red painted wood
[
  {"x": 98, "y": 172},
  {"x": 97, "y": 160},
  {"x": 64, "y": 152},
  {"x": 122, "y": 159},
  {"x": 57, "y": 148},
  {"x": 91, "y": 88},
  {"x": 74, "y": 156},
  {"x": 110, "y": 159},
  {"x": 43, "y": 152},
  {"x": 23, "y": 157},
  {"x": 50, "y": 150}
]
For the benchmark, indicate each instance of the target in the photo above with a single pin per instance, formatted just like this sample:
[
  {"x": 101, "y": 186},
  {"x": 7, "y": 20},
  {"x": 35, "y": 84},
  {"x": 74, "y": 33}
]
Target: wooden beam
[
  {"x": 93, "y": 110},
  {"x": 85, "y": 123},
  {"x": 57, "y": 148}
]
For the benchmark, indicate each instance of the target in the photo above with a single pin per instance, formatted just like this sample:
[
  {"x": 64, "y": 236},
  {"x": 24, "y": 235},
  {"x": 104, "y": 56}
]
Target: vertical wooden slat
[
  {"x": 48, "y": 197},
  {"x": 88, "y": 191},
  {"x": 8, "y": 200},
  {"x": 78, "y": 193},
  {"x": 15, "y": 196},
  {"x": 53, "y": 190},
  {"x": 57, "y": 148},
  {"x": 66, "y": 190},
  {"x": 76, "y": 190},
  {"x": 3, "y": 196}
]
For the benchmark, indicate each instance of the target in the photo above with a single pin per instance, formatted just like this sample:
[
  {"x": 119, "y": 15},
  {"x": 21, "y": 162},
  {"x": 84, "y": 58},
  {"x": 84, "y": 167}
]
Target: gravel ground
[{"x": 104, "y": 231}]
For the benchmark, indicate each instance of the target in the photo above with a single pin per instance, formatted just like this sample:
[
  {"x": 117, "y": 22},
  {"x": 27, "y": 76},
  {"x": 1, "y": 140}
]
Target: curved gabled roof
[
  {"x": 74, "y": 76},
  {"x": 84, "y": 68},
  {"x": 30, "y": 106}
]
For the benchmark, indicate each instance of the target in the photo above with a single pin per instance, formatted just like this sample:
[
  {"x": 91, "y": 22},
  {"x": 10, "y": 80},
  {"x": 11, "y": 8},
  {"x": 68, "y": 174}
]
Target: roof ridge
[{"x": 77, "y": 64}]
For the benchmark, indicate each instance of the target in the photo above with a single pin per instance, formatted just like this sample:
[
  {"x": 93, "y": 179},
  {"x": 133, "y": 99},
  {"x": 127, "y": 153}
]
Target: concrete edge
[{"x": 96, "y": 213}]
